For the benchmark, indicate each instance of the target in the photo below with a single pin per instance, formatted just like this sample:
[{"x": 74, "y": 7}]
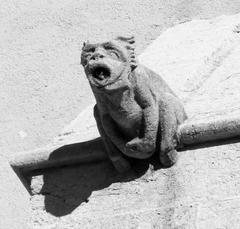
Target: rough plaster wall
[
  {"x": 42, "y": 86},
  {"x": 14, "y": 199},
  {"x": 42, "y": 83}
]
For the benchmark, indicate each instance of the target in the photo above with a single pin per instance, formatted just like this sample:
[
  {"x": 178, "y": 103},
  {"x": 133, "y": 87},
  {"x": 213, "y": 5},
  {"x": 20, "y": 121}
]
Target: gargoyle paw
[
  {"x": 138, "y": 148},
  {"x": 135, "y": 144},
  {"x": 169, "y": 158}
]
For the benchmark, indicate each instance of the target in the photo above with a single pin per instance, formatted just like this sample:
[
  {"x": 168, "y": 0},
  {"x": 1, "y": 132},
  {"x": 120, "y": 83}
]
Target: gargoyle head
[{"x": 105, "y": 63}]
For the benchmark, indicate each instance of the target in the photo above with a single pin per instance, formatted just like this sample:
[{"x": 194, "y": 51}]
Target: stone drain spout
[{"x": 192, "y": 134}]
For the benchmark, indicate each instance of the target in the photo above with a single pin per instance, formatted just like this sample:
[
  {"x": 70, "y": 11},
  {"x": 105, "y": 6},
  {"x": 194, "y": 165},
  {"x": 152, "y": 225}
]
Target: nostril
[{"x": 97, "y": 56}]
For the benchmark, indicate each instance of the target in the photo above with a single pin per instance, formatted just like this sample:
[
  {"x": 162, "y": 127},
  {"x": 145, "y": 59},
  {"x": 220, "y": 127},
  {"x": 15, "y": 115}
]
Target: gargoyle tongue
[{"x": 101, "y": 76}]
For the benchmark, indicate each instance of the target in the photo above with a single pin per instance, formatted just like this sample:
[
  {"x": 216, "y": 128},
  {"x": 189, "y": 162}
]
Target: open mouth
[{"x": 101, "y": 73}]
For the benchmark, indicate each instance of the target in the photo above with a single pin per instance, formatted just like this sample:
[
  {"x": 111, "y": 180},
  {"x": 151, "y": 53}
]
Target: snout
[{"x": 98, "y": 54}]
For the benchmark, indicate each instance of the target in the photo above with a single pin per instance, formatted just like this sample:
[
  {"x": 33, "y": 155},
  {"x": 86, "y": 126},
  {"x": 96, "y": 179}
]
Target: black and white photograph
[{"x": 120, "y": 114}]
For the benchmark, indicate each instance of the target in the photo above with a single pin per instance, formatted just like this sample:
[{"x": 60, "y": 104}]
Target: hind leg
[
  {"x": 171, "y": 115},
  {"x": 168, "y": 141}
]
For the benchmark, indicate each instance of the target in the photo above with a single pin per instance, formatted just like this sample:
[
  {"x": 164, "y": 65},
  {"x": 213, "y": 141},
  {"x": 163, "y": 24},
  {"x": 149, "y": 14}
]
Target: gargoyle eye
[
  {"x": 114, "y": 53},
  {"x": 89, "y": 49},
  {"x": 108, "y": 46}
]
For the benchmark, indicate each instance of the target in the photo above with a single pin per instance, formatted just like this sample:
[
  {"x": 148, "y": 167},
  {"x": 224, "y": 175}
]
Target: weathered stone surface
[
  {"x": 189, "y": 54},
  {"x": 15, "y": 208},
  {"x": 175, "y": 198},
  {"x": 201, "y": 191}
]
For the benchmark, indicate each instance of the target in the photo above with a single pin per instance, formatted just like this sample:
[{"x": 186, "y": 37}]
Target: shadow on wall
[{"x": 68, "y": 187}]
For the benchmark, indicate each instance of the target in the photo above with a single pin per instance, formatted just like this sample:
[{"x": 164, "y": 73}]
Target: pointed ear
[
  {"x": 130, "y": 40},
  {"x": 84, "y": 44},
  {"x": 129, "y": 44}
]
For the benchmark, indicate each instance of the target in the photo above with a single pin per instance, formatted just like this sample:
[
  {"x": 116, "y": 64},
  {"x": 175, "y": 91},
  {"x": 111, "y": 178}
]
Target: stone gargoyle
[{"x": 137, "y": 114}]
